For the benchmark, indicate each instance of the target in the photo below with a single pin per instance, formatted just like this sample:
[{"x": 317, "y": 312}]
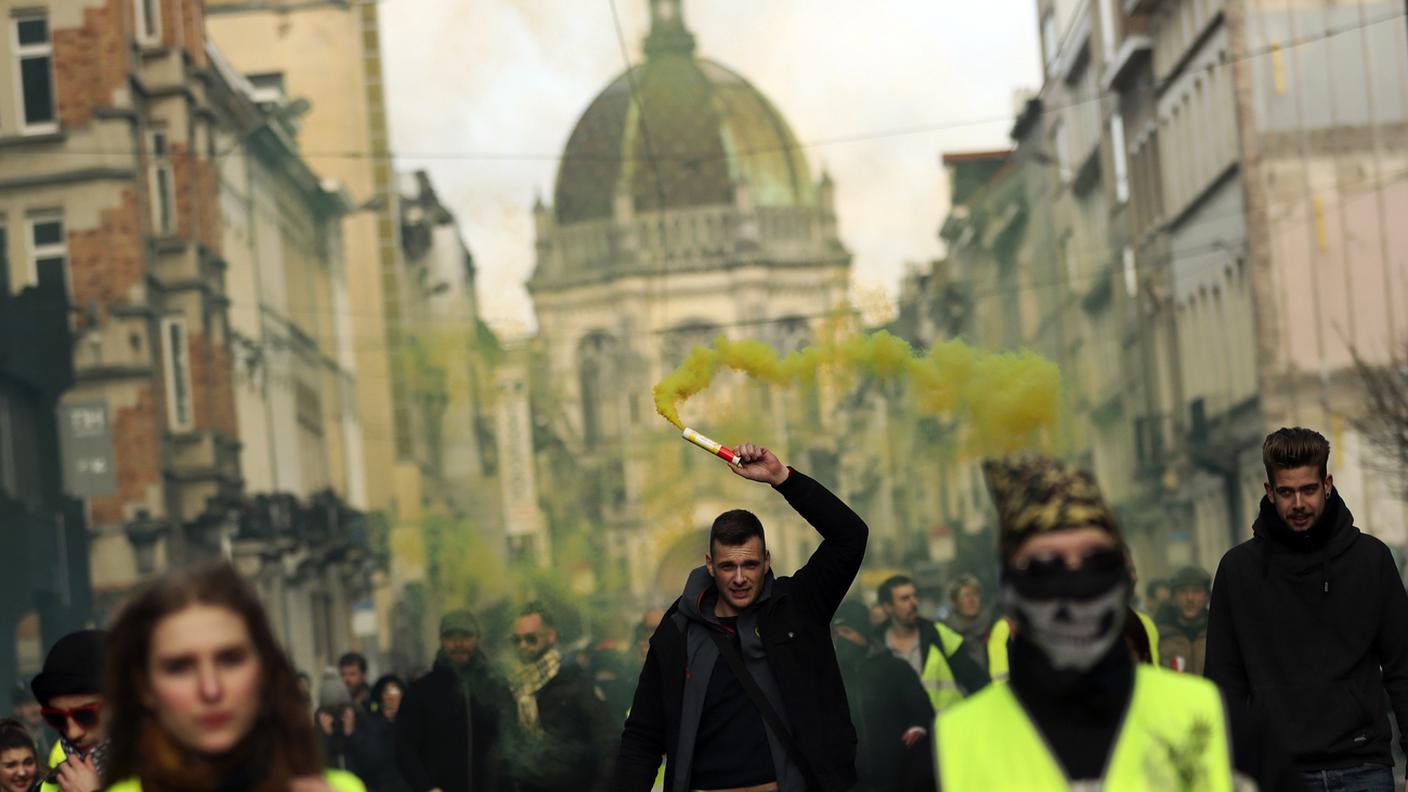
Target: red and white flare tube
[{"x": 717, "y": 449}]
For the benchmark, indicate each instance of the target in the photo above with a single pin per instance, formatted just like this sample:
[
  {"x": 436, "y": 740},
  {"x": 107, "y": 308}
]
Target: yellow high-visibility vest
[
  {"x": 999, "y": 669},
  {"x": 339, "y": 780},
  {"x": 937, "y": 675},
  {"x": 1174, "y": 738}
]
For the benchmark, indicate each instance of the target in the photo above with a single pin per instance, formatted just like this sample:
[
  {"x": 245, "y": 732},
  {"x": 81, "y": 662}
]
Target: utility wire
[{"x": 1154, "y": 86}]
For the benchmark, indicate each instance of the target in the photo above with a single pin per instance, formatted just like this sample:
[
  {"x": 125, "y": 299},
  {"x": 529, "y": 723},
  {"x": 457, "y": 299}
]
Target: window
[
  {"x": 163, "y": 212},
  {"x": 1120, "y": 155},
  {"x": 148, "y": 21},
  {"x": 34, "y": 52},
  {"x": 47, "y": 250},
  {"x": 1050, "y": 45},
  {"x": 177, "y": 362}
]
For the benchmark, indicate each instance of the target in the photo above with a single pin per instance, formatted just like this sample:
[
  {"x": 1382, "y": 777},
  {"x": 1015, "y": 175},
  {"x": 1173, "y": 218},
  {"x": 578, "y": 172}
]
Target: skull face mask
[{"x": 1073, "y": 621}]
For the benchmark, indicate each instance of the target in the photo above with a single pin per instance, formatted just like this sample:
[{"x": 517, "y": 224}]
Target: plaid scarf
[
  {"x": 98, "y": 753},
  {"x": 532, "y": 678}
]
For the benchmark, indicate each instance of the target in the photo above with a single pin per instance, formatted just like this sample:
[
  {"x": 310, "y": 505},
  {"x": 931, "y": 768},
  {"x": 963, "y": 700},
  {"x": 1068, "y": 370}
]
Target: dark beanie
[
  {"x": 460, "y": 621},
  {"x": 74, "y": 666}
]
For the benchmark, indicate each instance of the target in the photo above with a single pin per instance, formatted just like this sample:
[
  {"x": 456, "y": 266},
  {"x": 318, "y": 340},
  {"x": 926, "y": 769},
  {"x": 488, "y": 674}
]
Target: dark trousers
[{"x": 1365, "y": 778}]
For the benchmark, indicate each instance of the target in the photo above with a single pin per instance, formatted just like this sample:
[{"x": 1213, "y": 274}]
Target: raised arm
[{"x": 826, "y": 577}]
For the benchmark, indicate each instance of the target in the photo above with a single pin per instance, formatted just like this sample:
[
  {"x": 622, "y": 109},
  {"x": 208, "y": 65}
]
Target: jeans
[{"x": 1364, "y": 778}]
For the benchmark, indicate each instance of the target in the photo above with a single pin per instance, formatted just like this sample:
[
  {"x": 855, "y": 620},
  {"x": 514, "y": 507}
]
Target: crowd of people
[{"x": 1277, "y": 674}]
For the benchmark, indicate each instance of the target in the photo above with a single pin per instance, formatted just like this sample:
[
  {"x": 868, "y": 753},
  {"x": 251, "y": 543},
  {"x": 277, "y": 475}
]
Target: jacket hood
[
  {"x": 1298, "y": 553},
  {"x": 700, "y": 593}
]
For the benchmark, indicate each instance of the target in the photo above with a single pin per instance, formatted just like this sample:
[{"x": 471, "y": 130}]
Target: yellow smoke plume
[{"x": 1006, "y": 400}]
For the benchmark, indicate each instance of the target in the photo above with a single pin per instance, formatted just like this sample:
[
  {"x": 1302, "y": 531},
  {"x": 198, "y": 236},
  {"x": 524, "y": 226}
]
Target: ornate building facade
[{"x": 684, "y": 208}]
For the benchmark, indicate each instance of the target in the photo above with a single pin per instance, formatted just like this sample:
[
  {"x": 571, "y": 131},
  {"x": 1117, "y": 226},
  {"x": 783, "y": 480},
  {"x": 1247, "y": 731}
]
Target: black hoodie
[{"x": 1312, "y": 628}]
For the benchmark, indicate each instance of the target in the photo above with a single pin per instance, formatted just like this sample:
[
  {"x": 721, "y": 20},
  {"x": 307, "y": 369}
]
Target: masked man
[{"x": 1078, "y": 712}]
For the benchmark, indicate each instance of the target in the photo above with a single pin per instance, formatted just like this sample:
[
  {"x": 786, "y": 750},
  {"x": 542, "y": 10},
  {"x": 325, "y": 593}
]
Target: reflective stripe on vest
[
  {"x": 937, "y": 676},
  {"x": 997, "y": 650},
  {"x": 1174, "y": 738}
]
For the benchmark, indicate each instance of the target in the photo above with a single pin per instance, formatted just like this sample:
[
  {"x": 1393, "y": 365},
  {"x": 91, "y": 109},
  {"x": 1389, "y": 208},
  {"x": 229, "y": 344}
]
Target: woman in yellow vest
[
  {"x": 1077, "y": 712},
  {"x": 203, "y": 699}
]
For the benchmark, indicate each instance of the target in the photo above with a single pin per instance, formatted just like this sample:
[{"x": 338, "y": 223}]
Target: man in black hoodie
[
  {"x": 1309, "y": 622},
  {"x": 691, "y": 707}
]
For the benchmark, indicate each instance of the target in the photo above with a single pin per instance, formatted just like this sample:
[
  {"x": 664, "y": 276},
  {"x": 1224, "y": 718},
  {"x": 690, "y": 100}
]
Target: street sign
[{"x": 85, "y": 441}]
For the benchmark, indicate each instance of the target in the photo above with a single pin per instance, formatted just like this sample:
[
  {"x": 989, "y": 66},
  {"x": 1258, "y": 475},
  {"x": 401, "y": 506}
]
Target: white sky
[{"x": 484, "y": 93}]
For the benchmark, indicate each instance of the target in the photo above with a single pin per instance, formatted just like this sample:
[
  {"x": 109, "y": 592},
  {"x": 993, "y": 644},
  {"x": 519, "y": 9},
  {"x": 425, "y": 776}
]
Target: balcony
[
  {"x": 1132, "y": 54},
  {"x": 36, "y": 346}
]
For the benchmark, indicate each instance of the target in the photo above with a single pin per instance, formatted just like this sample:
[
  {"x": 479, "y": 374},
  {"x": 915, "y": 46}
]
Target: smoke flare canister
[{"x": 717, "y": 449}]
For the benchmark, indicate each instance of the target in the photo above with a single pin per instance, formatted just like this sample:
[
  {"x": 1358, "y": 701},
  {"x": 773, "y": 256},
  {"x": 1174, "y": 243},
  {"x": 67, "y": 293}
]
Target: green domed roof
[{"x": 708, "y": 131}]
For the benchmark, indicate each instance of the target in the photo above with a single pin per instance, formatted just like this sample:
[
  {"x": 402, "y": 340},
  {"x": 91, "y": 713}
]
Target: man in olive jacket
[{"x": 690, "y": 708}]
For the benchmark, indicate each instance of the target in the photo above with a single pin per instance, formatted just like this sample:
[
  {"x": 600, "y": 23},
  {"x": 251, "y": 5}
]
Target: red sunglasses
[{"x": 85, "y": 716}]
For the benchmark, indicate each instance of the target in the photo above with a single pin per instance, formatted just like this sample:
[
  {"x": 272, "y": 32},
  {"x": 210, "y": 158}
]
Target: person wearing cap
[
  {"x": 889, "y": 707},
  {"x": 1184, "y": 638},
  {"x": 70, "y": 693},
  {"x": 1077, "y": 711},
  {"x": 448, "y": 731}
]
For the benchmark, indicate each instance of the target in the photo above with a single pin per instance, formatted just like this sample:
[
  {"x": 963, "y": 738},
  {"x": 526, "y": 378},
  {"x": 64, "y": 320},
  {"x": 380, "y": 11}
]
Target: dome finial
[{"x": 668, "y": 35}]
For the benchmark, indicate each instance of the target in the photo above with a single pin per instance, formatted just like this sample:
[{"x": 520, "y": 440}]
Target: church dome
[{"x": 698, "y": 132}]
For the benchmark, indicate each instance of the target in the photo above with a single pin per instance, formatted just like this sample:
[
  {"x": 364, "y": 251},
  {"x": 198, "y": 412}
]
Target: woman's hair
[
  {"x": 382, "y": 684},
  {"x": 13, "y": 734},
  {"x": 284, "y": 737}
]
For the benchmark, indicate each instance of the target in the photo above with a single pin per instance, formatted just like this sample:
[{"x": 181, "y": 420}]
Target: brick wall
[
  {"x": 212, "y": 385},
  {"x": 91, "y": 62},
  {"x": 136, "y": 434},
  {"x": 107, "y": 262}
]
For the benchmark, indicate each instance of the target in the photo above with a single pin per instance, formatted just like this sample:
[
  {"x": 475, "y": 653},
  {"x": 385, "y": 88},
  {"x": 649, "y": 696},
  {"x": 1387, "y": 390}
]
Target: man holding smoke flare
[{"x": 741, "y": 689}]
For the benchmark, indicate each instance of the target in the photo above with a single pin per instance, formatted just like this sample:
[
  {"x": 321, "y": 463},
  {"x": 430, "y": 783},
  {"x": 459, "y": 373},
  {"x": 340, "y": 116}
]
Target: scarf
[
  {"x": 531, "y": 679},
  {"x": 98, "y": 753}
]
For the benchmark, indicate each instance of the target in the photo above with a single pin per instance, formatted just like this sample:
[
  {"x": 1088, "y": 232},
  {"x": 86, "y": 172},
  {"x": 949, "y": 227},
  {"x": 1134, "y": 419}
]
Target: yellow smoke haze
[{"x": 1005, "y": 401}]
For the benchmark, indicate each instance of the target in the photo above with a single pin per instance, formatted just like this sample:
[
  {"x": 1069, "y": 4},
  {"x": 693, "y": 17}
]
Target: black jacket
[
  {"x": 564, "y": 755},
  {"x": 795, "y": 626},
  {"x": 1300, "y": 626},
  {"x": 886, "y": 700},
  {"x": 373, "y": 750},
  {"x": 433, "y": 731}
]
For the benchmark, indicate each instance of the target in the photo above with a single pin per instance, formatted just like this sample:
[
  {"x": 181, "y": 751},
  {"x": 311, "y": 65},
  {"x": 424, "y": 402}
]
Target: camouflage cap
[{"x": 1035, "y": 494}]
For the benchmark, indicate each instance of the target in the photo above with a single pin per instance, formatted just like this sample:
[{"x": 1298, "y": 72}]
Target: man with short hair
[
  {"x": 940, "y": 656},
  {"x": 1184, "y": 638},
  {"x": 559, "y": 716},
  {"x": 352, "y": 667},
  {"x": 741, "y": 688},
  {"x": 1309, "y": 621},
  {"x": 449, "y": 731},
  {"x": 70, "y": 693}
]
